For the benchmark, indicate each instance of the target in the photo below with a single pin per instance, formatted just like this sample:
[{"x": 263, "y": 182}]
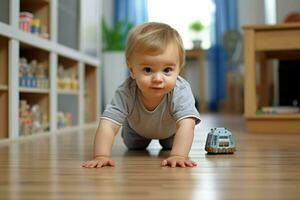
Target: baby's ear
[{"x": 129, "y": 66}]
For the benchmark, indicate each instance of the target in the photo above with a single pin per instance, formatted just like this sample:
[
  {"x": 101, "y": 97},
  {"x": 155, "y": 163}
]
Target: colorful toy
[
  {"x": 25, "y": 21},
  {"x": 220, "y": 140},
  {"x": 67, "y": 78},
  {"x": 64, "y": 120}
]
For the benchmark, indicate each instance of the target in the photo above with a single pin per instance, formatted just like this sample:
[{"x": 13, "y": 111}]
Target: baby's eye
[
  {"x": 147, "y": 70},
  {"x": 168, "y": 70}
]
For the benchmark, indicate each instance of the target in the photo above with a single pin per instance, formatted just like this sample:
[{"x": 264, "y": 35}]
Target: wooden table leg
[{"x": 250, "y": 78}]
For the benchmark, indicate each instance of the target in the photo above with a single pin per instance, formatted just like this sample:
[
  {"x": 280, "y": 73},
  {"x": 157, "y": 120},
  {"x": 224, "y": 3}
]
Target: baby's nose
[{"x": 157, "y": 77}]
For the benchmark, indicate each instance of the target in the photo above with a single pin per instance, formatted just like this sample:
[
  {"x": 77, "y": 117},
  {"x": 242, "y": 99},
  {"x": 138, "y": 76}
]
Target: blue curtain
[
  {"x": 132, "y": 11},
  {"x": 225, "y": 19}
]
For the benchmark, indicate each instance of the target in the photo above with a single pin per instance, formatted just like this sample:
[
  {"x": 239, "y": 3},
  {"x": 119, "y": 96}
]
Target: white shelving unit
[{"x": 15, "y": 43}]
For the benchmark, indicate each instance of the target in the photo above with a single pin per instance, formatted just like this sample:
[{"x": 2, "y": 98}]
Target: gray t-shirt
[{"x": 160, "y": 123}]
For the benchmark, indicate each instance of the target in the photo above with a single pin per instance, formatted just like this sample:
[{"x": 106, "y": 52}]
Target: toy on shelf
[
  {"x": 41, "y": 74},
  {"x": 33, "y": 74},
  {"x": 25, "y": 21},
  {"x": 43, "y": 32},
  {"x": 220, "y": 140},
  {"x": 25, "y": 121},
  {"x": 30, "y": 24},
  {"x": 36, "y": 119},
  {"x": 64, "y": 120},
  {"x": 67, "y": 78},
  {"x": 74, "y": 81},
  {"x": 35, "y": 26},
  {"x": 45, "y": 122},
  {"x": 31, "y": 119}
]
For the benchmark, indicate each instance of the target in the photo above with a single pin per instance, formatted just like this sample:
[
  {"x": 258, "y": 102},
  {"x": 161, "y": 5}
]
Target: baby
[{"x": 153, "y": 103}]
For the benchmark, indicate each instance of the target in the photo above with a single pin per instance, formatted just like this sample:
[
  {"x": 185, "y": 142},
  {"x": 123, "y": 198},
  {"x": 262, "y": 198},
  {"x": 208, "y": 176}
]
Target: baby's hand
[
  {"x": 98, "y": 162},
  {"x": 178, "y": 161}
]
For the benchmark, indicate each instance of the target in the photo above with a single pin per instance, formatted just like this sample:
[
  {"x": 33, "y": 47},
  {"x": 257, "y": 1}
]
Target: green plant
[
  {"x": 114, "y": 38},
  {"x": 196, "y": 26}
]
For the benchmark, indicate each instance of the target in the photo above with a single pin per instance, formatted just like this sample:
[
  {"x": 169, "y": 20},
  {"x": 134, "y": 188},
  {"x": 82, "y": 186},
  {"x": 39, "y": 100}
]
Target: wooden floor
[{"x": 264, "y": 167}]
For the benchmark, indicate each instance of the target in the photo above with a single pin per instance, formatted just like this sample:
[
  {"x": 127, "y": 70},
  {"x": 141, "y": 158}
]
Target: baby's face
[{"x": 155, "y": 75}]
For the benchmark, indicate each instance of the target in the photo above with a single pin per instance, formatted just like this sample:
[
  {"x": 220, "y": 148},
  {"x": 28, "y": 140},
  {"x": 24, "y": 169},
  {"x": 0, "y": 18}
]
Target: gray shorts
[{"x": 135, "y": 141}]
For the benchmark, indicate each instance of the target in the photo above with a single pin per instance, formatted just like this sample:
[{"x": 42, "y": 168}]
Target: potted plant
[
  {"x": 114, "y": 37},
  {"x": 196, "y": 27},
  {"x": 114, "y": 63}
]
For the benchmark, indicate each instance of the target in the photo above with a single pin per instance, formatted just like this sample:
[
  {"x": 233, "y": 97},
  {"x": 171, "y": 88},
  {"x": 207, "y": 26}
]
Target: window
[
  {"x": 179, "y": 14},
  {"x": 223, "y": 137}
]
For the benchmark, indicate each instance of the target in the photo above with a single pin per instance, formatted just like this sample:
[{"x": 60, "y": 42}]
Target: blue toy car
[{"x": 220, "y": 140}]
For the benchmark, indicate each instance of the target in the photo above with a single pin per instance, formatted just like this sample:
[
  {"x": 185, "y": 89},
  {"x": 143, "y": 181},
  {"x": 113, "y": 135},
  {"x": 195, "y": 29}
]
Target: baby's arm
[
  {"x": 103, "y": 144},
  {"x": 182, "y": 145}
]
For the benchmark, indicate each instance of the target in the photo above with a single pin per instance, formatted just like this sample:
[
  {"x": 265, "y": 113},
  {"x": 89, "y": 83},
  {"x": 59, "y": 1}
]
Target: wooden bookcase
[
  {"x": 3, "y": 87},
  {"x": 16, "y": 44}
]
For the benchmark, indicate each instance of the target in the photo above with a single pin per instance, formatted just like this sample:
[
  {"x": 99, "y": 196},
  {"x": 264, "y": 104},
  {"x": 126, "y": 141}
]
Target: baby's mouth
[{"x": 156, "y": 88}]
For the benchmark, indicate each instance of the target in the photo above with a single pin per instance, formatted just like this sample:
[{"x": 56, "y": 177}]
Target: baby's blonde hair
[{"x": 153, "y": 38}]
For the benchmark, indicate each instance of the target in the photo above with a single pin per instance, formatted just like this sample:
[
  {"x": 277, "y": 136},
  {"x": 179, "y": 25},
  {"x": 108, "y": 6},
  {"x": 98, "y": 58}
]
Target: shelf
[
  {"x": 67, "y": 92},
  {"x": 67, "y": 62},
  {"x": 26, "y": 115},
  {"x": 40, "y": 99},
  {"x": 40, "y": 10},
  {"x": 3, "y": 87},
  {"x": 68, "y": 106},
  {"x": 33, "y": 70},
  {"x": 27, "y": 38},
  {"x": 33, "y": 52},
  {"x": 67, "y": 75},
  {"x": 34, "y": 90},
  {"x": 90, "y": 94}
]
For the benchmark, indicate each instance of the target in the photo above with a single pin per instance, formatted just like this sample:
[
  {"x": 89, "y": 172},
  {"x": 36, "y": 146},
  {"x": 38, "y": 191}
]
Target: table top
[
  {"x": 293, "y": 25},
  {"x": 194, "y": 53}
]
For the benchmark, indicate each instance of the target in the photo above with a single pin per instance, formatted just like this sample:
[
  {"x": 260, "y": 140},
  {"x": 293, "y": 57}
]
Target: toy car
[{"x": 220, "y": 140}]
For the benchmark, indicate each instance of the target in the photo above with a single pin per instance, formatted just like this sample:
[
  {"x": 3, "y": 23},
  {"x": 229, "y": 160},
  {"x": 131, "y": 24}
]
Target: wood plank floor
[{"x": 264, "y": 167}]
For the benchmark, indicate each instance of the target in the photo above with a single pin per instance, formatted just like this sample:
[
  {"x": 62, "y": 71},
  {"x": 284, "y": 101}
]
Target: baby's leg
[
  {"x": 167, "y": 143},
  {"x": 133, "y": 140}
]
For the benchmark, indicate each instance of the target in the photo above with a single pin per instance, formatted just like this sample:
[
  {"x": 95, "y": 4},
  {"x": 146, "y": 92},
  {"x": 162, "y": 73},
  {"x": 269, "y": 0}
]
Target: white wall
[
  {"x": 284, "y": 7},
  {"x": 114, "y": 69},
  {"x": 251, "y": 12},
  {"x": 107, "y": 11}
]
